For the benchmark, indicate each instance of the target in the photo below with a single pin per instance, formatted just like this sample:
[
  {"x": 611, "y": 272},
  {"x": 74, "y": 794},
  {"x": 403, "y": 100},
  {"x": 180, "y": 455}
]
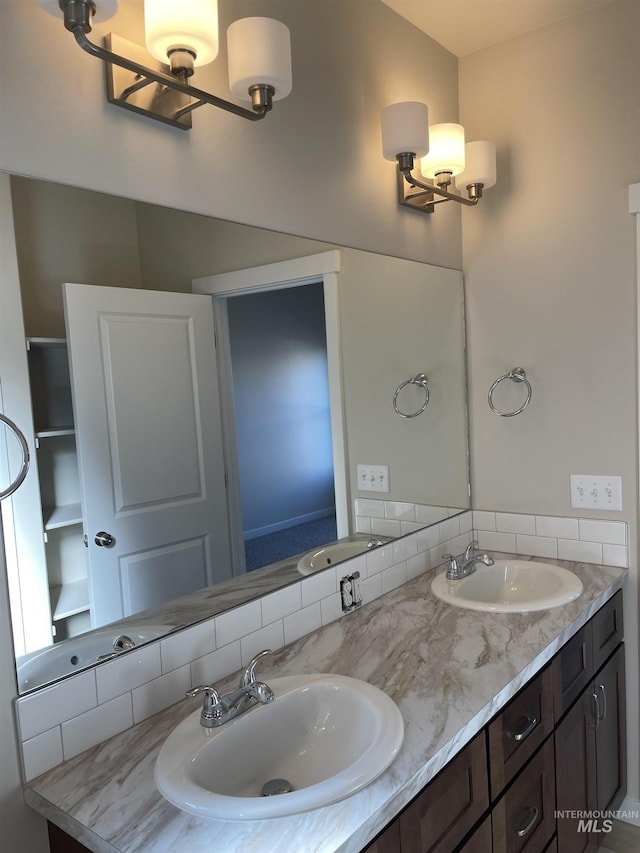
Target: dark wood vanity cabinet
[
  {"x": 591, "y": 733},
  {"x": 558, "y": 745}
]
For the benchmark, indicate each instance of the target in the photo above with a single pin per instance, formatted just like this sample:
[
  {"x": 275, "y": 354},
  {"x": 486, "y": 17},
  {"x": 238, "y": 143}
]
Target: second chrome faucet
[
  {"x": 465, "y": 564},
  {"x": 218, "y": 709}
]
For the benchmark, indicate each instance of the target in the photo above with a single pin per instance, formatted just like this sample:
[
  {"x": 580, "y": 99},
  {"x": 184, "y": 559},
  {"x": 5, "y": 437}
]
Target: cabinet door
[
  {"x": 440, "y": 817},
  {"x": 572, "y": 670},
  {"x": 611, "y": 769},
  {"x": 576, "y": 775},
  {"x": 607, "y": 627}
]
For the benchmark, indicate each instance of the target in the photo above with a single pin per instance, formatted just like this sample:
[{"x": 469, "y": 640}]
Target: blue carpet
[{"x": 285, "y": 543}]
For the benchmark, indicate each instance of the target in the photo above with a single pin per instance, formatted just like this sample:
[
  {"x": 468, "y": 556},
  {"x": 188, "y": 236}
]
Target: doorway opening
[{"x": 279, "y": 374}]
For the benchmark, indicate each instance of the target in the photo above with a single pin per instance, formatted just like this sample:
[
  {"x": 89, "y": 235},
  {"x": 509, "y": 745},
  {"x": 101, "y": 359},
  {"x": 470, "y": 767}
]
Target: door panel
[{"x": 148, "y": 431}]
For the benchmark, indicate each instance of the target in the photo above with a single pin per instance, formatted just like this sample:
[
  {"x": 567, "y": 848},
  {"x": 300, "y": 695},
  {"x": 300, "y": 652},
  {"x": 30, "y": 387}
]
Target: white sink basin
[
  {"x": 71, "y": 656},
  {"x": 326, "y": 556},
  {"x": 510, "y": 586},
  {"x": 327, "y": 735}
]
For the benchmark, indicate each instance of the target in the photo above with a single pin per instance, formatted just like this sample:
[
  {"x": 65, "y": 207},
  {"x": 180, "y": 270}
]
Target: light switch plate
[
  {"x": 373, "y": 478},
  {"x": 593, "y": 491}
]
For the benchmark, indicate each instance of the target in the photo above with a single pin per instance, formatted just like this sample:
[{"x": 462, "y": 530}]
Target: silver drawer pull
[
  {"x": 532, "y": 813},
  {"x": 527, "y": 725}
]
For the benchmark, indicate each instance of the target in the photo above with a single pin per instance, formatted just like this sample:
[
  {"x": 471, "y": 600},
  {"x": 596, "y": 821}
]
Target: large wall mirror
[{"x": 283, "y": 379}]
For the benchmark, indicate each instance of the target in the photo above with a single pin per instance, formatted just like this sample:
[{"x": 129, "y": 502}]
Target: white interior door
[{"x": 148, "y": 432}]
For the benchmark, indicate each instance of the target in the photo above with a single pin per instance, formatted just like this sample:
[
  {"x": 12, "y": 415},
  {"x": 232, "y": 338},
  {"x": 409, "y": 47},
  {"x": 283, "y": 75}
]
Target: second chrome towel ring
[
  {"x": 516, "y": 375},
  {"x": 421, "y": 380},
  {"x": 24, "y": 448}
]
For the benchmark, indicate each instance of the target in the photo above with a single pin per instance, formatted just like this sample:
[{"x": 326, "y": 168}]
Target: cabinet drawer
[
  {"x": 524, "y": 816},
  {"x": 519, "y": 730},
  {"x": 572, "y": 670},
  {"x": 440, "y": 817},
  {"x": 607, "y": 626}
]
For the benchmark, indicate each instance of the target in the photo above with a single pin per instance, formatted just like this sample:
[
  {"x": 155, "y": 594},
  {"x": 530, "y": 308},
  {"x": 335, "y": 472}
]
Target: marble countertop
[{"x": 449, "y": 670}]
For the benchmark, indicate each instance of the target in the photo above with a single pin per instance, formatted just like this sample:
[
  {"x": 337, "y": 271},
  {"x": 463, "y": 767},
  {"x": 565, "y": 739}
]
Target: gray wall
[{"x": 550, "y": 271}]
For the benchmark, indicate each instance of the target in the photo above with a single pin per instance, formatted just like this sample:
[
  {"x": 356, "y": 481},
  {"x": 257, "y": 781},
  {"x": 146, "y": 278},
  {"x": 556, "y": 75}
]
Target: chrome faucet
[
  {"x": 218, "y": 709},
  {"x": 121, "y": 644},
  {"x": 465, "y": 564}
]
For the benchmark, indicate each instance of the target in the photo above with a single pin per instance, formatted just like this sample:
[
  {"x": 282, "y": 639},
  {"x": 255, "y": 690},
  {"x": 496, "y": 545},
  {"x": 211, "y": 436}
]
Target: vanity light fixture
[
  {"x": 406, "y": 136},
  {"x": 180, "y": 35}
]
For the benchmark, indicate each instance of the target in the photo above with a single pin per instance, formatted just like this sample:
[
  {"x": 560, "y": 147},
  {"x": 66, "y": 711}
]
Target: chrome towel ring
[
  {"x": 421, "y": 380},
  {"x": 24, "y": 467},
  {"x": 516, "y": 375}
]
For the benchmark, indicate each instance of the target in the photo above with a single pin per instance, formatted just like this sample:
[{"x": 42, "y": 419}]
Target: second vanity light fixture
[
  {"x": 406, "y": 136},
  {"x": 180, "y": 35}
]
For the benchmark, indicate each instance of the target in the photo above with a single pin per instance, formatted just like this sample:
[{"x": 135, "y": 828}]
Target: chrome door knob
[{"x": 104, "y": 540}]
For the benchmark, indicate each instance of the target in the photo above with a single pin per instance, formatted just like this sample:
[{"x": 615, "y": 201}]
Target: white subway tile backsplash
[
  {"x": 319, "y": 586},
  {"x": 588, "y": 552},
  {"x": 615, "y": 555},
  {"x": 428, "y": 538},
  {"x": 371, "y": 588},
  {"x": 61, "y": 702},
  {"x": 42, "y": 753},
  {"x": 418, "y": 565},
  {"x": 302, "y": 622},
  {"x": 409, "y": 527},
  {"x": 96, "y": 725},
  {"x": 559, "y": 528},
  {"x": 363, "y": 524},
  {"x": 450, "y": 528},
  {"x": 507, "y": 522},
  {"x": 185, "y": 646},
  {"x": 269, "y": 637},
  {"x": 400, "y": 511},
  {"x": 483, "y": 520},
  {"x": 405, "y": 548},
  {"x": 393, "y": 577},
  {"x": 430, "y": 514},
  {"x": 217, "y": 665},
  {"x": 385, "y": 527},
  {"x": 489, "y": 541},
  {"x": 379, "y": 558},
  {"x": 606, "y": 532},
  {"x": 89, "y": 707},
  {"x": 128, "y": 671},
  {"x": 372, "y": 508},
  {"x": 160, "y": 693},
  {"x": 536, "y": 546},
  {"x": 279, "y": 604},
  {"x": 331, "y": 608},
  {"x": 238, "y": 623}
]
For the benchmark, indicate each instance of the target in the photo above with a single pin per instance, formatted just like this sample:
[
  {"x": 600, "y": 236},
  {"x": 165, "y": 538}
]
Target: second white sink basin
[
  {"x": 326, "y": 736},
  {"x": 510, "y": 586}
]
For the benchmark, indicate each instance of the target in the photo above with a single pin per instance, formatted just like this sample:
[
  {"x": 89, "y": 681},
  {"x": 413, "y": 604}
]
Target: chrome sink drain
[{"x": 276, "y": 786}]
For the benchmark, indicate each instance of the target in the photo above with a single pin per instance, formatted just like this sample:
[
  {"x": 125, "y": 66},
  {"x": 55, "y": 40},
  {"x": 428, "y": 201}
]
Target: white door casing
[
  {"x": 324, "y": 267},
  {"x": 149, "y": 438}
]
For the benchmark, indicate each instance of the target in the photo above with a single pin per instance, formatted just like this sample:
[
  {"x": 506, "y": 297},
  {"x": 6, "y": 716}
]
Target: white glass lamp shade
[
  {"x": 480, "y": 165},
  {"x": 190, "y": 25},
  {"x": 259, "y": 54},
  {"x": 446, "y": 150},
  {"x": 405, "y": 129}
]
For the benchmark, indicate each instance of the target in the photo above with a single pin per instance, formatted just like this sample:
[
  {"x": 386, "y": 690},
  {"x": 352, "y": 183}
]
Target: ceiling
[{"x": 465, "y": 26}]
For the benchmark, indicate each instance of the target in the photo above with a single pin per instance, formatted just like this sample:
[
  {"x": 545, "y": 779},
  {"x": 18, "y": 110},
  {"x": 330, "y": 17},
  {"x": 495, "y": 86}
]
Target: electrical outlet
[
  {"x": 591, "y": 491},
  {"x": 373, "y": 478}
]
